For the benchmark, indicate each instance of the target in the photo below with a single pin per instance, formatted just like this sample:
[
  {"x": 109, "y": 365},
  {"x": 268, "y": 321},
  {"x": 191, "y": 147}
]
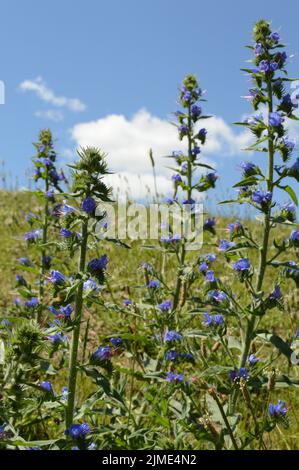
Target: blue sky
[{"x": 119, "y": 57}]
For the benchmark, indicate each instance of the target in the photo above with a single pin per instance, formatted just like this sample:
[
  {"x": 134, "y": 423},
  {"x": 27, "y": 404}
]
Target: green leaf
[
  {"x": 246, "y": 181},
  {"x": 229, "y": 201},
  {"x": 278, "y": 342},
  {"x": 290, "y": 192}
]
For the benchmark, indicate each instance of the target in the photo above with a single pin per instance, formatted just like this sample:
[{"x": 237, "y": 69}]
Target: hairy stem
[
  {"x": 189, "y": 195},
  {"x": 43, "y": 252},
  {"x": 267, "y": 228},
  {"x": 76, "y": 332}
]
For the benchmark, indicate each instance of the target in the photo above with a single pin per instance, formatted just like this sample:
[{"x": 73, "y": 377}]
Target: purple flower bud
[
  {"x": 65, "y": 233},
  {"x": 46, "y": 386},
  {"x": 275, "y": 37},
  {"x": 89, "y": 205},
  {"x": 56, "y": 277},
  {"x": 278, "y": 410},
  {"x": 32, "y": 303},
  {"x": 153, "y": 284},
  {"x": 165, "y": 306},
  {"x": 242, "y": 265},
  {"x": 171, "y": 336},
  {"x": 102, "y": 354},
  {"x": 175, "y": 378},
  {"x": 252, "y": 360},
  {"x": 275, "y": 119},
  {"x": 77, "y": 431}
]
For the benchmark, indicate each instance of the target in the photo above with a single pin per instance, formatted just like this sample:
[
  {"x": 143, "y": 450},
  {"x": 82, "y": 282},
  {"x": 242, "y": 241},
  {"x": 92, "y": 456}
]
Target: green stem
[
  {"x": 189, "y": 195},
  {"x": 267, "y": 228},
  {"x": 43, "y": 252},
  {"x": 227, "y": 425},
  {"x": 76, "y": 331}
]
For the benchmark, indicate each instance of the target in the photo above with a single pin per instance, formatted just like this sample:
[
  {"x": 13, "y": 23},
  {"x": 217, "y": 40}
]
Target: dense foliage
[{"x": 194, "y": 353}]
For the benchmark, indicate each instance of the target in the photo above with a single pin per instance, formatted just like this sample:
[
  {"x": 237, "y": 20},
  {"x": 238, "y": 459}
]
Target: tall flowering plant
[
  {"x": 78, "y": 231},
  {"x": 268, "y": 94},
  {"x": 49, "y": 181},
  {"x": 186, "y": 178}
]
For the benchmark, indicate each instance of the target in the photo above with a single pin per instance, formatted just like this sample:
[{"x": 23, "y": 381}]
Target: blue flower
[
  {"x": 290, "y": 144},
  {"x": 263, "y": 198},
  {"x": 258, "y": 49},
  {"x": 209, "y": 224},
  {"x": 64, "y": 209},
  {"x": 57, "y": 338},
  {"x": 275, "y": 119},
  {"x": 171, "y": 355},
  {"x": 102, "y": 354},
  {"x": 184, "y": 167},
  {"x": 20, "y": 280},
  {"x": 127, "y": 302},
  {"x": 203, "y": 267},
  {"x": 273, "y": 66},
  {"x": 177, "y": 154},
  {"x": 176, "y": 178},
  {"x": 264, "y": 66},
  {"x": 202, "y": 134},
  {"x": 234, "y": 227},
  {"x": 294, "y": 238},
  {"x": 211, "y": 257},
  {"x": 116, "y": 341},
  {"x": 188, "y": 202},
  {"x": 165, "y": 306},
  {"x": 212, "y": 320},
  {"x": 225, "y": 245},
  {"x": 153, "y": 284},
  {"x": 46, "y": 386},
  {"x": 210, "y": 276},
  {"x": 32, "y": 236},
  {"x": 89, "y": 205},
  {"x": 211, "y": 177},
  {"x": 275, "y": 37},
  {"x": 183, "y": 130},
  {"x": 98, "y": 265},
  {"x": 249, "y": 168},
  {"x": 78, "y": 431},
  {"x": 171, "y": 336},
  {"x": 56, "y": 277},
  {"x": 187, "y": 96},
  {"x": 32, "y": 303},
  {"x": 217, "y": 296},
  {"x": 242, "y": 373},
  {"x": 175, "y": 378},
  {"x": 278, "y": 410},
  {"x": 170, "y": 239},
  {"x": 90, "y": 285},
  {"x": 65, "y": 233},
  {"x": 276, "y": 294},
  {"x": 195, "y": 151},
  {"x": 66, "y": 311},
  {"x": 242, "y": 265},
  {"x": 50, "y": 195},
  {"x": 196, "y": 111},
  {"x": 252, "y": 360}
]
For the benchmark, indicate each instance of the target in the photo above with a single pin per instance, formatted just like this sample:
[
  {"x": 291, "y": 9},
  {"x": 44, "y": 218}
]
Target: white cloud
[
  {"x": 51, "y": 114},
  {"x": 40, "y": 88},
  {"x": 127, "y": 142}
]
